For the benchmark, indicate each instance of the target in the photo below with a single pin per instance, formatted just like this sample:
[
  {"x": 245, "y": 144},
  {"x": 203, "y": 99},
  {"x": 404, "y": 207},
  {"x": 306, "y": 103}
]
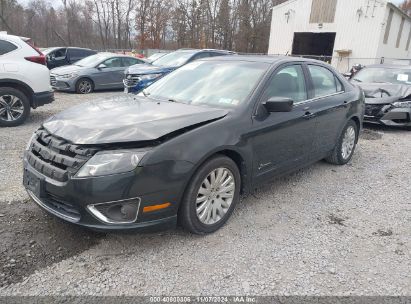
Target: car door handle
[{"x": 309, "y": 115}]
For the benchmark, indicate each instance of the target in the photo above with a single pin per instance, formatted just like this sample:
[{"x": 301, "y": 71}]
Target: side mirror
[
  {"x": 279, "y": 104},
  {"x": 101, "y": 66}
]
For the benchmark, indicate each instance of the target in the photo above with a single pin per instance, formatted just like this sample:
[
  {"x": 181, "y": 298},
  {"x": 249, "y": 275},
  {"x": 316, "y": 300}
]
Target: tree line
[{"x": 240, "y": 25}]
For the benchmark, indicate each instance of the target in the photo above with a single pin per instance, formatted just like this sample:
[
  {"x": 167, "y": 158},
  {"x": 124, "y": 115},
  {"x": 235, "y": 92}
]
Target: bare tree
[{"x": 241, "y": 25}]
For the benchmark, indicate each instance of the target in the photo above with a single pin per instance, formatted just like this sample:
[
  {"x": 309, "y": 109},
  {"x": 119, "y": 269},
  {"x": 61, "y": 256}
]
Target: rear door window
[
  {"x": 6, "y": 47},
  {"x": 324, "y": 81}
]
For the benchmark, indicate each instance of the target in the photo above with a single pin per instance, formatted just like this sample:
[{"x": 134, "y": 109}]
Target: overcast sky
[{"x": 58, "y": 2}]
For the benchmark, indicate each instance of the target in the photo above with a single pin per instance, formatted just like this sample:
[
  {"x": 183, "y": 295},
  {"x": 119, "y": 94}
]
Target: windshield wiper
[
  {"x": 145, "y": 93},
  {"x": 356, "y": 79}
]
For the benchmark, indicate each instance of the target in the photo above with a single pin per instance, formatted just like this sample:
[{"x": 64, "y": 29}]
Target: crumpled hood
[
  {"x": 143, "y": 69},
  {"x": 376, "y": 93},
  {"x": 66, "y": 70},
  {"x": 126, "y": 119}
]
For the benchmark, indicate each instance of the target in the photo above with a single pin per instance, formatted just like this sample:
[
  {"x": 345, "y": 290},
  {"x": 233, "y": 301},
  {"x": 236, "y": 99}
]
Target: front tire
[
  {"x": 14, "y": 107},
  {"x": 211, "y": 196},
  {"x": 84, "y": 86},
  {"x": 344, "y": 150}
]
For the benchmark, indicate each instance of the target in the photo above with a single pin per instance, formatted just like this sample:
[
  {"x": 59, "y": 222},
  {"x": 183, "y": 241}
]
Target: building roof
[{"x": 398, "y": 10}]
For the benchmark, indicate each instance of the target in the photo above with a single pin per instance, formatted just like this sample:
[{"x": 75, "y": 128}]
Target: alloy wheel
[
  {"x": 11, "y": 108},
  {"x": 215, "y": 196},
  {"x": 85, "y": 87},
  {"x": 348, "y": 142}
]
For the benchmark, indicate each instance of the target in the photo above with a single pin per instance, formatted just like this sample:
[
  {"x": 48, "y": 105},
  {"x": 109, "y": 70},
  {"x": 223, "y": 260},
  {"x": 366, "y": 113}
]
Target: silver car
[{"x": 98, "y": 72}]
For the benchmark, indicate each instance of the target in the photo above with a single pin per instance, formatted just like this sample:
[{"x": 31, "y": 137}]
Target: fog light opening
[
  {"x": 121, "y": 212},
  {"x": 156, "y": 207}
]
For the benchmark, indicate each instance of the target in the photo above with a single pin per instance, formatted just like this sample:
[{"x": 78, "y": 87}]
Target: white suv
[{"x": 24, "y": 80}]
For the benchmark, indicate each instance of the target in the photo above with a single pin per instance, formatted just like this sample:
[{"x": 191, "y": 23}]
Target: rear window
[{"x": 6, "y": 47}]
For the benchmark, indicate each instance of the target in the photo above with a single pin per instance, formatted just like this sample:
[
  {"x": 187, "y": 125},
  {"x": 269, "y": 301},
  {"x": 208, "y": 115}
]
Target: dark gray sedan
[
  {"x": 185, "y": 148},
  {"x": 98, "y": 72}
]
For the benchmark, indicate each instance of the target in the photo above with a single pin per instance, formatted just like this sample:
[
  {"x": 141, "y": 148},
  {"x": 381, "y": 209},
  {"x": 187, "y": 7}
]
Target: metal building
[{"x": 350, "y": 31}]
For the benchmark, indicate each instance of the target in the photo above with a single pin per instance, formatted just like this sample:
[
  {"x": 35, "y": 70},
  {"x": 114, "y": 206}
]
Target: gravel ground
[{"x": 324, "y": 230}]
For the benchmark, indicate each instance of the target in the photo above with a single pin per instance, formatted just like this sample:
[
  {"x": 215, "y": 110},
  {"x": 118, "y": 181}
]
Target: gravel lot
[{"x": 324, "y": 230}]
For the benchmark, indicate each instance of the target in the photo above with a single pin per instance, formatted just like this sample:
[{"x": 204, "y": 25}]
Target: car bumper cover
[
  {"x": 40, "y": 99},
  {"x": 71, "y": 201}
]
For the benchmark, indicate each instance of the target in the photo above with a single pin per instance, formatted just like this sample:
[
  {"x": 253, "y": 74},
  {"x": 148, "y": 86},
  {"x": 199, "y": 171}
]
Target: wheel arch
[
  {"x": 19, "y": 85},
  {"x": 357, "y": 121},
  {"x": 236, "y": 157}
]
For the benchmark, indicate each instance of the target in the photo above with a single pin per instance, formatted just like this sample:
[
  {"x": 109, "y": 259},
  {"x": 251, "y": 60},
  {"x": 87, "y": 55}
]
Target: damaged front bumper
[{"x": 388, "y": 114}]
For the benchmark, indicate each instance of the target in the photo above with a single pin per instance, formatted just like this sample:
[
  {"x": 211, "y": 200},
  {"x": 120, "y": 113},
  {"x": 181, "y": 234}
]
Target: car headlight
[
  {"x": 149, "y": 76},
  {"x": 111, "y": 162},
  {"x": 68, "y": 76},
  {"x": 402, "y": 104}
]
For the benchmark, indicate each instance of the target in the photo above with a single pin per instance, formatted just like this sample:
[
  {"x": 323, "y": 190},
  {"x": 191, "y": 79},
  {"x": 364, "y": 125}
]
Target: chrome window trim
[
  {"x": 102, "y": 218},
  {"x": 318, "y": 98}
]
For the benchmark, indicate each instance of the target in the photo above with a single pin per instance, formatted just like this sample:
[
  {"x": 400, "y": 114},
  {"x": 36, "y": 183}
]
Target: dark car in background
[
  {"x": 102, "y": 71},
  {"x": 387, "y": 90},
  {"x": 60, "y": 56},
  {"x": 186, "y": 148},
  {"x": 139, "y": 77}
]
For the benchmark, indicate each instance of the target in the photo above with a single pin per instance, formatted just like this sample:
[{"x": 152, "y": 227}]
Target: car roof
[
  {"x": 188, "y": 50},
  {"x": 67, "y": 47},
  {"x": 390, "y": 66},
  {"x": 109, "y": 55},
  {"x": 13, "y": 37},
  {"x": 263, "y": 58}
]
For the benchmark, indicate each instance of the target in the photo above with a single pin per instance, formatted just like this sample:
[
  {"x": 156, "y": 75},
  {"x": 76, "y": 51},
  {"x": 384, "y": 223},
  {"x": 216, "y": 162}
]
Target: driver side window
[{"x": 288, "y": 82}]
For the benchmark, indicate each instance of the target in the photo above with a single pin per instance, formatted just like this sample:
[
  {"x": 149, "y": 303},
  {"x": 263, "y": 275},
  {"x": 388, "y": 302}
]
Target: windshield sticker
[{"x": 402, "y": 77}]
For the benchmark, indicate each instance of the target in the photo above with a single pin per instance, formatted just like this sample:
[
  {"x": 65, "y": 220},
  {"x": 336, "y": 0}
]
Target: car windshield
[
  {"x": 92, "y": 61},
  {"x": 384, "y": 75},
  {"x": 174, "y": 59},
  {"x": 215, "y": 84}
]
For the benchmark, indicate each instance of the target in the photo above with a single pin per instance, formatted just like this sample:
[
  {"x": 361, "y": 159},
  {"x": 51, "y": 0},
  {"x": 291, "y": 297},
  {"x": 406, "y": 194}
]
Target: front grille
[
  {"x": 56, "y": 158},
  {"x": 53, "y": 80},
  {"x": 131, "y": 81},
  {"x": 373, "y": 109}
]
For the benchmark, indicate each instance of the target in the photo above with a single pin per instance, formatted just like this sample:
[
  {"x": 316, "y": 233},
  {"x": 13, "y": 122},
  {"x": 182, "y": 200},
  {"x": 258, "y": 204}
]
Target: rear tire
[
  {"x": 345, "y": 148},
  {"x": 84, "y": 86},
  {"x": 14, "y": 107},
  {"x": 211, "y": 196}
]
